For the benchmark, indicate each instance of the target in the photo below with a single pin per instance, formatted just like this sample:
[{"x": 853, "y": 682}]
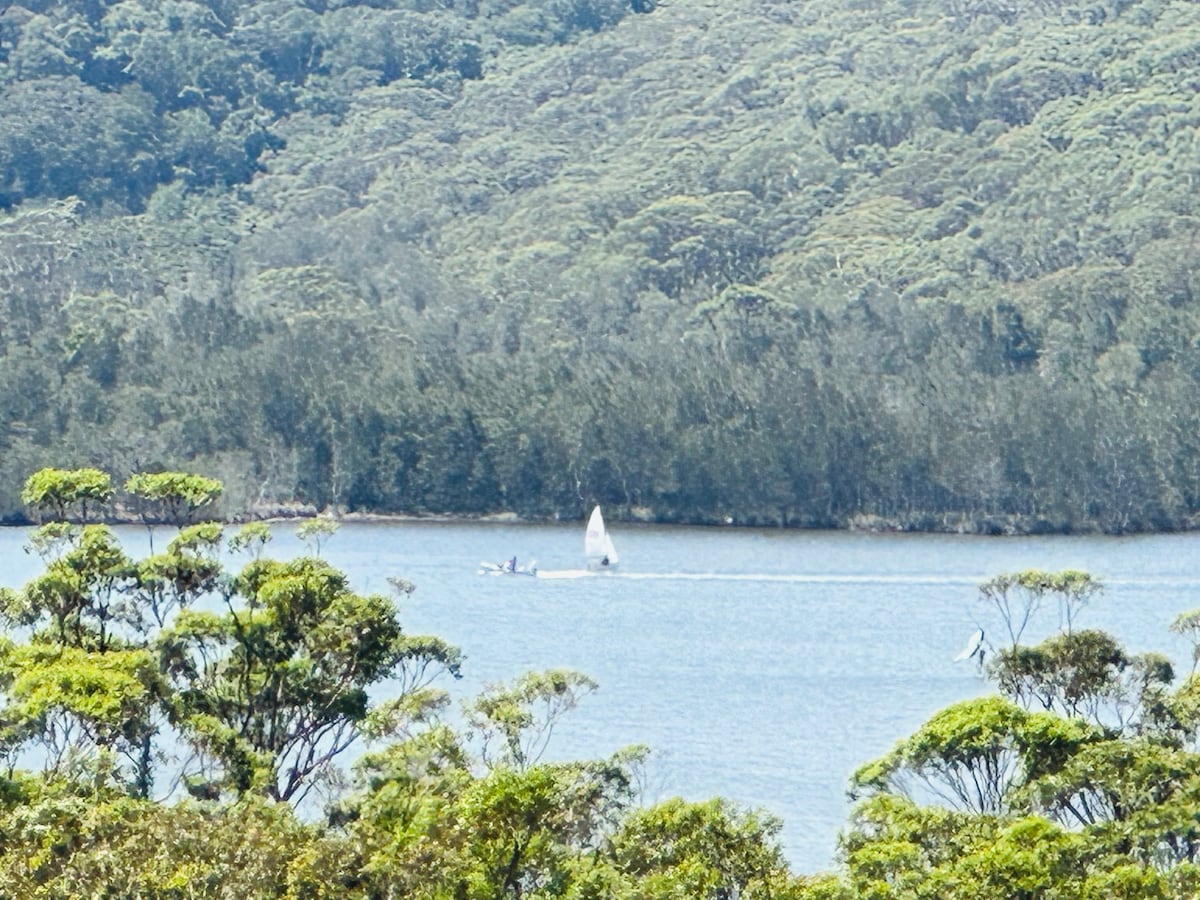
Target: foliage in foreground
[
  {"x": 1081, "y": 778},
  {"x": 181, "y": 713}
]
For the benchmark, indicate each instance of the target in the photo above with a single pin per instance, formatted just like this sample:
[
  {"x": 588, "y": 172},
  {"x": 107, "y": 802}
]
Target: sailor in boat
[
  {"x": 604, "y": 562},
  {"x": 511, "y": 565}
]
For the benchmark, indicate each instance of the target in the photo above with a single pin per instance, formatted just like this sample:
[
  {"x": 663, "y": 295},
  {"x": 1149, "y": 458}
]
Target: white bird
[{"x": 974, "y": 646}]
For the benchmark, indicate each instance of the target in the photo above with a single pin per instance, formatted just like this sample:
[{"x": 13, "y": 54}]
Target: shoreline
[{"x": 922, "y": 523}]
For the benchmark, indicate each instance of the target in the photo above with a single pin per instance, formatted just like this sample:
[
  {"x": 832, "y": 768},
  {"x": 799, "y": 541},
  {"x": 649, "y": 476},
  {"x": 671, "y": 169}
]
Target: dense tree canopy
[{"x": 818, "y": 264}]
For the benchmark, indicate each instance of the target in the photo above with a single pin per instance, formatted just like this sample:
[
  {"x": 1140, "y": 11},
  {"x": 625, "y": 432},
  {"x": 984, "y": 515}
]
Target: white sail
[
  {"x": 610, "y": 552},
  {"x": 594, "y": 540},
  {"x": 597, "y": 545}
]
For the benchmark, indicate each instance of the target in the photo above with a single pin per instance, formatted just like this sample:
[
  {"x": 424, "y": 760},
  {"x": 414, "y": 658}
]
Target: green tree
[
  {"x": 57, "y": 491},
  {"x": 1018, "y": 596},
  {"x": 515, "y": 723},
  {"x": 314, "y": 531},
  {"x": 189, "y": 570},
  {"x": 68, "y": 840},
  {"x": 1086, "y": 674},
  {"x": 703, "y": 850},
  {"x": 173, "y": 497},
  {"x": 276, "y": 687},
  {"x": 976, "y": 755}
]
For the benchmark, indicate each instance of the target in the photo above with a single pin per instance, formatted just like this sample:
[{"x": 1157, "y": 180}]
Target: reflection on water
[{"x": 764, "y": 666}]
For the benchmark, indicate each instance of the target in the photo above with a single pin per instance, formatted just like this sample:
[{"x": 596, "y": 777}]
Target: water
[{"x": 762, "y": 666}]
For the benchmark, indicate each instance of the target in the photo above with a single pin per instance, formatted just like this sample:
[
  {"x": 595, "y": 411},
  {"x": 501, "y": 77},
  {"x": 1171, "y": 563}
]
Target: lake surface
[{"x": 762, "y": 666}]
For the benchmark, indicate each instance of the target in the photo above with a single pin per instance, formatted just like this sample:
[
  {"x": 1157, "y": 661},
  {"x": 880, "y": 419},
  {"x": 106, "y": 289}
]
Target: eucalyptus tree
[
  {"x": 1018, "y": 596},
  {"x": 1188, "y": 625},
  {"x": 976, "y": 755},
  {"x": 268, "y": 692},
  {"x": 58, "y": 491},
  {"x": 272, "y": 690},
  {"x": 897, "y": 848},
  {"x": 314, "y": 531},
  {"x": 708, "y": 850},
  {"x": 515, "y": 722},
  {"x": 1079, "y": 788},
  {"x": 430, "y": 819},
  {"x": 1088, "y": 674},
  {"x": 198, "y": 190},
  {"x": 68, "y": 840},
  {"x": 84, "y": 687},
  {"x": 173, "y": 497},
  {"x": 189, "y": 570},
  {"x": 1114, "y": 781}
]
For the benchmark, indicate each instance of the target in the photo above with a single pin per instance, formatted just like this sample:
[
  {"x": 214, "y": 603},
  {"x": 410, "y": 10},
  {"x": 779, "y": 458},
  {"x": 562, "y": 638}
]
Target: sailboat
[{"x": 597, "y": 545}]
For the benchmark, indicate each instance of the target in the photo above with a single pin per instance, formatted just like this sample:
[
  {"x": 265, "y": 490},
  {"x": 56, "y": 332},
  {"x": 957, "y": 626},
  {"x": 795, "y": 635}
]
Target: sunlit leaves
[
  {"x": 263, "y": 686},
  {"x": 897, "y": 849},
  {"x": 83, "y": 598},
  {"x": 515, "y": 721},
  {"x": 73, "y": 703},
  {"x": 1018, "y": 596},
  {"x": 702, "y": 850},
  {"x": 282, "y": 683},
  {"x": 1112, "y": 781},
  {"x": 58, "y": 491},
  {"x": 975, "y": 755},
  {"x": 173, "y": 496},
  {"x": 1081, "y": 790},
  {"x": 315, "y": 531},
  {"x": 68, "y": 843},
  {"x": 1084, "y": 674},
  {"x": 251, "y": 538}
]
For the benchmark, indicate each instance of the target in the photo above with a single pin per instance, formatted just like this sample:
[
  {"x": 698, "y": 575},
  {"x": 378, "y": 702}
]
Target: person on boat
[
  {"x": 511, "y": 565},
  {"x": 604, "y": 562}
]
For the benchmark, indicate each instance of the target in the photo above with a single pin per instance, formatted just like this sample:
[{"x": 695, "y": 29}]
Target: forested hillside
[{"x": 823, "y": 263}]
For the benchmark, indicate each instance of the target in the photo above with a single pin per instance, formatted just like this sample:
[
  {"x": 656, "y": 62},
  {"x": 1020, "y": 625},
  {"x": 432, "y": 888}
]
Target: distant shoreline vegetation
[
  {"x": 928, "y": 523},
  {"x": 171, "y": 498}
]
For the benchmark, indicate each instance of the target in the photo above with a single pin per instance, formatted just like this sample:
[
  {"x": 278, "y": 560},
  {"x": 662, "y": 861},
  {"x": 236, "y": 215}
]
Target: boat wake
[{"x": 562, "y": 574}]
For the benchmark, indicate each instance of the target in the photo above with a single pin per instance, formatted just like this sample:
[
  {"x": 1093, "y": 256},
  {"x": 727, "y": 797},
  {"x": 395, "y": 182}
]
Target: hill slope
[{"x": 813, "y": 263}]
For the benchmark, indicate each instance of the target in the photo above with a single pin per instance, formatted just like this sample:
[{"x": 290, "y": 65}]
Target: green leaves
[
  {"x": 1081, "y": 790},
  {"x": 268, "y": 692},
  {"x": 77, "y": 705},
  {"x": 976, "y": 755},
  {"x": 943, "y": 252},
  {"x": 284, "y": 679},
  {"x": 58, "y": 491},
  {"x": 1018, "y": 596},
  {"x": 83, "y": 597},
  {"x": 1077, "y": 674},
  {"x": 314, "y": 531},
  {"x": 520, "y": 718},
  {"x": 173, "y": 496},
  {"x": 258, "y": 683},
  {"x": 65, "y": 843},
  {"x": 703, "y": 850}
]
